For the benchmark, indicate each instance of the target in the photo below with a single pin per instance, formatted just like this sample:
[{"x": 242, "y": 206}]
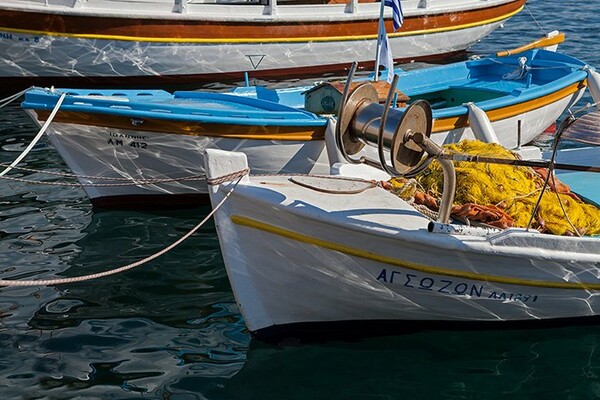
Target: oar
[{"x": 546, "y": 41}]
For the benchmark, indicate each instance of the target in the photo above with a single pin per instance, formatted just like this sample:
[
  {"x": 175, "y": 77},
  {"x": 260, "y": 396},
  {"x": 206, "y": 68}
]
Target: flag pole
[{"x": 380, "y": 28}]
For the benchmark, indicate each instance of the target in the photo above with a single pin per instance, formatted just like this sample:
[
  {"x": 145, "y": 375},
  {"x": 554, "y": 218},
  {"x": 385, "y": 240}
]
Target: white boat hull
[
  {"x": 59, "y": 57},
  {"x": 532, "y": 124},
  {"x": 174, "y": 41},
  {"x": 300, "y": 256},
  {"x": 127, "y": 156}
]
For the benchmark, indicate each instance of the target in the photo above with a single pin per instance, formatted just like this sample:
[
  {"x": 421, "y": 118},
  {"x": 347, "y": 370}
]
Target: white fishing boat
[
  {"x": 305, "y": 253},
  {"x": 125, "y": 43},
  {"x": 155, "y": 139}
]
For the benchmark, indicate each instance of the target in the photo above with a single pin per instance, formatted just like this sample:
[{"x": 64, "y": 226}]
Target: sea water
[{"x": 170, "y": 329}]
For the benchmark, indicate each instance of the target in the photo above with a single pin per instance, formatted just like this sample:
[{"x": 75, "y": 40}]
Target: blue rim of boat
[{"x": 199, "y": 107}]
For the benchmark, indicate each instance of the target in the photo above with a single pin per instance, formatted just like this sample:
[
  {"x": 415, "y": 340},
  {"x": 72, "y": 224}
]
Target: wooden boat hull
[
  {"x": 295, "y": 255},
  {"x": 84, "y": 44}
]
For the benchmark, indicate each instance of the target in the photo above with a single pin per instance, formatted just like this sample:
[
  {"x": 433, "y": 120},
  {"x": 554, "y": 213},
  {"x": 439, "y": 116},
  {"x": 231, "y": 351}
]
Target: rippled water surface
[{"x": 170, "y": 329}]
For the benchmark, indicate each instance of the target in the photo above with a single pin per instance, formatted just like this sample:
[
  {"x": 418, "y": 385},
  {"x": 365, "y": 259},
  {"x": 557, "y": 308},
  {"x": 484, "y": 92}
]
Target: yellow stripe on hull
[
  {"x": 170, "y": 127},
  {"x": 250, "y": 223},
  {"x": 258, "y": 40}
]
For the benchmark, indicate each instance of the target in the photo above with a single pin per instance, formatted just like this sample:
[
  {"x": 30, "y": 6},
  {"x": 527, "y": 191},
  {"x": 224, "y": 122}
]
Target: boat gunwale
[
  {"x": 287, "y": 116},
  {"x": 523, "y": 94},
  {"x": 337, "y": 9}
]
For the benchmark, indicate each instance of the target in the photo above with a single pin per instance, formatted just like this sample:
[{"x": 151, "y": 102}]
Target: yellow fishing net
[{"x": 513, "y": 190}]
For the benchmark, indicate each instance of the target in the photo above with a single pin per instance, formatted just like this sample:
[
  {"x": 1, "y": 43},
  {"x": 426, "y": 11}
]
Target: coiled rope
[{"x": 49, "y": 282}]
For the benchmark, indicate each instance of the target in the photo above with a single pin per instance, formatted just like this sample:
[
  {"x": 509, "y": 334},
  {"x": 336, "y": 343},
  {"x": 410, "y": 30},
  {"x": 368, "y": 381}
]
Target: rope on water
[
  {"x": 37, "y": 137},
  {"x": 50, "y": 282}
]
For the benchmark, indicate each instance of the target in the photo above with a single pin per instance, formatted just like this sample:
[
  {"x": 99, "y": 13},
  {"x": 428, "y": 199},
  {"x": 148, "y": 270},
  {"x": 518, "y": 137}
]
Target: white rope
[
  {"x": 149, "y": 181},
  {"x": 518, "y": 73},
  {"x": 37, "y": 137},
  {"x": 82, "y": 278},
  {"x": 9, "y": 99}
]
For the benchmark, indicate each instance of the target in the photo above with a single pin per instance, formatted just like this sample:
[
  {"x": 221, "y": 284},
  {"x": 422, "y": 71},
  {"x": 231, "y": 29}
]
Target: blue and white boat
[{"x": 151, "y": 142}]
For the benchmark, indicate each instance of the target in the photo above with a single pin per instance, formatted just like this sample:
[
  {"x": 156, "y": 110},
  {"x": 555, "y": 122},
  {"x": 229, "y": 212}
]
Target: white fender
[
  {"x": 481, "y": 125},
  {"x": 594, "y": 85}
]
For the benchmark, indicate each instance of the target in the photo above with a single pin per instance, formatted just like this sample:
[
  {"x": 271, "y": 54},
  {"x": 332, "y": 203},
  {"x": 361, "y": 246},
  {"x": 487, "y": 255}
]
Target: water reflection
[
  {"x": 520, "y": 364},
  {"x": 135, "y": 332}
]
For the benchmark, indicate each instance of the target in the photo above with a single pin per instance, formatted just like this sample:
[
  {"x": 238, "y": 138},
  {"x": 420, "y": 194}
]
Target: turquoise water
[{"x": 171, "y": 330}]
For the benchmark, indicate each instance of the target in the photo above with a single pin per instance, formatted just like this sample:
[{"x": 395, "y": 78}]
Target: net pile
[{"x": 502, "y": 195}]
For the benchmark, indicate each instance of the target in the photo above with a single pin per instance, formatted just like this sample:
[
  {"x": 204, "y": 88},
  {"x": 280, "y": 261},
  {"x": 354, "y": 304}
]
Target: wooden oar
[{"x": 542, "y": 42}]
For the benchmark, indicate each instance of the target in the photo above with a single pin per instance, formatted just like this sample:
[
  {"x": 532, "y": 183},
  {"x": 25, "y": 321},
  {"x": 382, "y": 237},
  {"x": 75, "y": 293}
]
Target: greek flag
[
  {"x": 385, "y": 56},
  {"x": 397, "y": 14}
]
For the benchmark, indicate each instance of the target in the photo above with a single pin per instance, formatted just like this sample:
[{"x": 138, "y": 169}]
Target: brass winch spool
[{"x": 362, "y": 121}]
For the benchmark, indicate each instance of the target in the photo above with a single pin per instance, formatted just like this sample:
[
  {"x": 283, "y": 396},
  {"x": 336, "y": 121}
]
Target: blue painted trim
[{"x": 198, "y": 107}]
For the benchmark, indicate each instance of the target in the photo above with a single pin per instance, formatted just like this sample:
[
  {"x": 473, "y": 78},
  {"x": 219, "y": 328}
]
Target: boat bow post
[
  {"x": 224, "y": 166},
  {"x": 481, "y": 125}
]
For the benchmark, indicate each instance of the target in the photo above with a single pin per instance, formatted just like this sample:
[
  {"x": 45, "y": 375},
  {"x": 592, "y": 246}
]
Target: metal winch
[
  {"x": 362, "y": 121},
  {"x": 404, "y": 136}
]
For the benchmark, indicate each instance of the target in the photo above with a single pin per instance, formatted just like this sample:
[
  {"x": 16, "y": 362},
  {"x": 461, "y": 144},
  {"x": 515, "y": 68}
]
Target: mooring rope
[
  {"x": 37, "y": 137},
  {"x": 11, "y": 98},
  {"x": 535, "y": 20},
  {"x": 131, "y": 182},
  {"x": 105, "y": 178},
  {"x": 229, "y": 177},
  {"x": 530, "y": 68},
  {"x": 50, "y": 282},
  {"x": 151, "y": 181}
]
